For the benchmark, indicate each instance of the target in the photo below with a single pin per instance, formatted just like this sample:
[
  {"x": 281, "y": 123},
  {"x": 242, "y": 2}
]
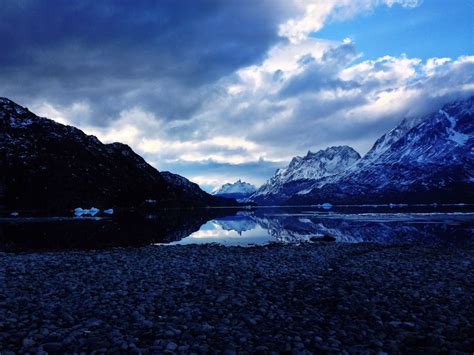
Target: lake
[{"x": 244, "y": 227}]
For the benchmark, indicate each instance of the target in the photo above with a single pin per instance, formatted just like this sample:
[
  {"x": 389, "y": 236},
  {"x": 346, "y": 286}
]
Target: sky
[{"x": 224, "y": 90}]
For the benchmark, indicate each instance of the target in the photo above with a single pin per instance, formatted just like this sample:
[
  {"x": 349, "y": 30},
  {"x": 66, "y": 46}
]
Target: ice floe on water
[
  {"x": 325, "y": 206},
  {"x": 87, "y": 211},
  {"x": 392, "y": 205}
]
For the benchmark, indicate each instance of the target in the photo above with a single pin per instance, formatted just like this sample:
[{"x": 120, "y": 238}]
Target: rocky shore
[{"x": 320, "y": 297}]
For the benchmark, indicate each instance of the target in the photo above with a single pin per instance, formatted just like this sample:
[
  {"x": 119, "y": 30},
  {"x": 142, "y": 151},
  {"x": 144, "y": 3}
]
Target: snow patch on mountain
[
  {"x": 238, "y": 187},
  {"x": 453, "y": 135},
  {"x": 312, "y": 167},
  {"x": 426, "y": 158},
  {"x": 387, "y": 140}
]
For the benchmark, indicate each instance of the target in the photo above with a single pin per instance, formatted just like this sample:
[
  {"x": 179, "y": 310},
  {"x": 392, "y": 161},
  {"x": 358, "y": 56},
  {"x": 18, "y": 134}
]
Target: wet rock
[
  {"x": 52, "y": 347},
  {"x": 324, "y": 238},
  {"x": 27, "y": 343},
  {"x": 317, "y": 297},
  {"x": 171, "y": 346}
]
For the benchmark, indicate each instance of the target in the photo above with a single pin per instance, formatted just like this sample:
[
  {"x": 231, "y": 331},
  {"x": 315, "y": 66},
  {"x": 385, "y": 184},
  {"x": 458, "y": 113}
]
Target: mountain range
[
  {"x": 47, "y": 166},
  {"x": 303, "y": 171},
  {"x": 238, "y": 190},
  {"x": 425, "y": 159},
  {"x": 293, "y": 225}
]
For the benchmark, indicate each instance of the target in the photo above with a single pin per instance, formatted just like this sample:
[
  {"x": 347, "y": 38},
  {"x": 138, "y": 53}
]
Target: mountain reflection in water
[
  {"x": 260, "y": 227},
  {"x": 237, "y": 227}
]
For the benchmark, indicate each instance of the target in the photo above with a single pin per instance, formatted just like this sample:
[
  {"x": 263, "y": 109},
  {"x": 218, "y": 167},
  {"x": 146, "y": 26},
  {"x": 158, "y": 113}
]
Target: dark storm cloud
[
  {"x": 184, "y": 81},
  {"x": 113, "y": 54}
]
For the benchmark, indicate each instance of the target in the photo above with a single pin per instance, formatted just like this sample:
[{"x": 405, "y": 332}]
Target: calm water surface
[
  {"x": 265, "y": 226},
  {"x": 415, "y": 224}
]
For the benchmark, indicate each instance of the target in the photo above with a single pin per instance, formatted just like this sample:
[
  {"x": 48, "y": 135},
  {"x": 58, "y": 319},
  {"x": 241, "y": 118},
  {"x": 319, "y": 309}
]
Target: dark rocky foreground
[{"x": 308, "y": 298}]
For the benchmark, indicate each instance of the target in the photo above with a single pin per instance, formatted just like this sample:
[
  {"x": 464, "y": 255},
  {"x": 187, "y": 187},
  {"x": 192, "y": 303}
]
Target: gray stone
[{"x": 171, "y": 346}]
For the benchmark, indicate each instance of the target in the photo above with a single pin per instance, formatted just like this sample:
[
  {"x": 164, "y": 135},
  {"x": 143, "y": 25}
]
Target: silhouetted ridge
[{"x": 49, "y": 166}]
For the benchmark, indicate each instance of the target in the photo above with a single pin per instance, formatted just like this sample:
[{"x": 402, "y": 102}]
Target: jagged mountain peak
[
  {"x": 333, "y": 152},
  {"x": 424, "y": 159},
  {"x": 329, "y": 152},
  {"x": 321, "y": 163},
  {"x": 240, "y": 188},
  {"x": 427, "y": 159},
  {"x": 458, "y": 107},
  {"x": 312, "y": 166}
]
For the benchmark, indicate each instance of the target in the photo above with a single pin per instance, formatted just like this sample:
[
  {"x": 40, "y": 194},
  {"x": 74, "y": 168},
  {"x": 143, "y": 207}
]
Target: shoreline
[{"x": 321, "y": 297}]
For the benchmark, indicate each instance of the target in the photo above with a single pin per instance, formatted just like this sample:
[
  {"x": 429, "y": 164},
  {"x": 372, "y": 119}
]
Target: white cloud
[
  {"x": 307, "y": 93},
  {"x": 360, "y": 103},
  {"x": 65, "y": 115},
  {"x": 315, "y": 13},
  {"x": 433, "y": 64}
]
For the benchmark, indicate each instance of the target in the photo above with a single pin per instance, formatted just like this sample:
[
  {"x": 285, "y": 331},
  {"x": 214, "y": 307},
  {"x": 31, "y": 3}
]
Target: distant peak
[
  {"x": 342, "y": 149},
  {"x": 313, "y": 166},
  {"x": 238, "y": 187}
]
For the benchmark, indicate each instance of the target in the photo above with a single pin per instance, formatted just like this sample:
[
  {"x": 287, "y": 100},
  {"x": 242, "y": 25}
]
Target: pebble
[
  {"x": 316, "y": 297},
  {"x": 171, "y": 346},
  {"x": 52, "y": 347}
]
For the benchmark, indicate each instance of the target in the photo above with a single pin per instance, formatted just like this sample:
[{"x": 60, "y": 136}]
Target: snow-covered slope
[
  {"x": 427, "y": 159},
  {"x": 304, "y": 171},
  {"x": 383, "y": 143},
  {"x": 238, "y": 189}
]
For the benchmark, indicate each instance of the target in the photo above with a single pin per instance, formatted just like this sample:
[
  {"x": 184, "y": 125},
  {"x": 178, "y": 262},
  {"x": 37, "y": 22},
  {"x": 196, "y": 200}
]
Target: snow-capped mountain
[
  {"x": 304, "y": 171},
  {"x": 426, "y": 159},
  {"x": 48, "y": 166},
  {"x": 383, "y": 143},
  {"x": 239, "y": 190}
]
